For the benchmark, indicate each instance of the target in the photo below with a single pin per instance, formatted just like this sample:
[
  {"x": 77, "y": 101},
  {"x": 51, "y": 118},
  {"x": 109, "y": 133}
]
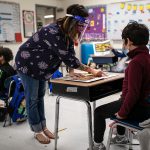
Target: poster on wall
[
  {"x": 96, "y": 29},
  {"x": 28, "y": 23},
  {"x": 9, "y": 21},
  {"x": 120, "y": 14}
]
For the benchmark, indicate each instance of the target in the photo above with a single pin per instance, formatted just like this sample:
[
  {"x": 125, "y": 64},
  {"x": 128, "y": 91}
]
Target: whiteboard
[
  {"x": 9, "y": 21},
  {"x": 120, "y": 14}
]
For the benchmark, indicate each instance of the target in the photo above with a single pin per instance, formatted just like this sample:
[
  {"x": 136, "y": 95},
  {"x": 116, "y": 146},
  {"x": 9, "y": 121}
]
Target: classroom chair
[{"x": 131, "y": 126}]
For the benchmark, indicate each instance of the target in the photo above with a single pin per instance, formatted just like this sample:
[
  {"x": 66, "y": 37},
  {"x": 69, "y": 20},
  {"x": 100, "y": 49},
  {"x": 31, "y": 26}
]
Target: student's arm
[
  {"x": 118, "y": 54},
  {"x": 2, "y": 79}
]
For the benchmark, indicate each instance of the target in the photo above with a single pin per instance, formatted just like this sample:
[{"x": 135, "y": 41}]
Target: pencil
[{"x": 62, "y": 129}]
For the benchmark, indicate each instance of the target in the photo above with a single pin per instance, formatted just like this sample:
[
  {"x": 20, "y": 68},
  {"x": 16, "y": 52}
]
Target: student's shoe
[
  {"x": 120, "y": 140},
  {"x": 99, "y": 146},
  {"x": 42, "y": 138}
]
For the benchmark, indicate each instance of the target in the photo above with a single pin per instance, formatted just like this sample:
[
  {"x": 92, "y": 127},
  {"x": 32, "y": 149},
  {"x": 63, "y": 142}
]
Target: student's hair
[
  {"x": 6, "y": 53},
  {"x": 137, "y": 33},
  {"x": 67, "y": 23}
]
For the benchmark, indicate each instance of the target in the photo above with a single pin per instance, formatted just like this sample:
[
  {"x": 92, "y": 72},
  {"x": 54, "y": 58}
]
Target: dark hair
[
  {"x": 77, "y": 10},
  {"x": 6, "y": 53},
  {"x": 137, "y": 33},
  {"x": 68, "y": 23}
]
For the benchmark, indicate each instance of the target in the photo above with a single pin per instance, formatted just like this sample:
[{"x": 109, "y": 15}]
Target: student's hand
[
  {"x": 109, "y": 47},
  {"x": 119, "y": 117}
]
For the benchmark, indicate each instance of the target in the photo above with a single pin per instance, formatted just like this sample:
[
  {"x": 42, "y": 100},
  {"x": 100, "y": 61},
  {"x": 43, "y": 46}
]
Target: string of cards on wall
[
  {"x": 108, "y": 21},
  {"x": 10, "y": 30},
  {"x": 120, "y": 14}
]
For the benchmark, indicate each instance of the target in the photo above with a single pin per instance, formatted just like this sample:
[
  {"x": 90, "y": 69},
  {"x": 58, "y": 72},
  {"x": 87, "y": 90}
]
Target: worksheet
[{"x": 88, "y": 78}]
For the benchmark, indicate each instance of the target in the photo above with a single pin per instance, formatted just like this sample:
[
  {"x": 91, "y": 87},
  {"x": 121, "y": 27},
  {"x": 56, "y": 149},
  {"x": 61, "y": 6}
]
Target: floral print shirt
[{"x": 41, "y": 55}]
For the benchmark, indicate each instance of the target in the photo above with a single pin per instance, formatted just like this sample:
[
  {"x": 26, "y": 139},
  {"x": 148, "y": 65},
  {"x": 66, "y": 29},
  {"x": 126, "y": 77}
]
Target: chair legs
[
  {"x": 129, "y": 134},
  {"x": 130, "y": 137},
  {"x": 109, "y": 139},
  {"x": 7, "y": 118}
]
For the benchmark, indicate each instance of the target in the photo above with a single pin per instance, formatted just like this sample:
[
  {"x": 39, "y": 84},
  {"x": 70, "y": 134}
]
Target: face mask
[
  {"x": 125, "y": 51},
  {"x": 82, "y": 24}
]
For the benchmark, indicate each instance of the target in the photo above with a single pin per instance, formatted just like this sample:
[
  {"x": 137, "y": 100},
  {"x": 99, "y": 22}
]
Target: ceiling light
[{"x": 49, "y": 16}]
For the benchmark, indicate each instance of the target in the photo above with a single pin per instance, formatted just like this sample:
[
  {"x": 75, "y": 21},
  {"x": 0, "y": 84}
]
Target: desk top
[
  {"x": 103, "y": 56},
  {"x": 61, "y": 81}
]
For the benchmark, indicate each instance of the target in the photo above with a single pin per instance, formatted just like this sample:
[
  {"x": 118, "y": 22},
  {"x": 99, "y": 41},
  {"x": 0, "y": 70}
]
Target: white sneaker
[
  {"x": 120, "y": 140},
  {"x": 101, "y": 146}
]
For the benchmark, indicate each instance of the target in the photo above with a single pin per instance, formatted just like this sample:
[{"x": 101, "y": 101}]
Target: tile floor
[{"x": 72, "y": 117}]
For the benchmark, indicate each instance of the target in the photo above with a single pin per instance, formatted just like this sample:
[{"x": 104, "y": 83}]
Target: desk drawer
[
  {"x": 105, "y": 89},
  {"x": 88, "y": 93},
  {"x": 71, "y": 91}
]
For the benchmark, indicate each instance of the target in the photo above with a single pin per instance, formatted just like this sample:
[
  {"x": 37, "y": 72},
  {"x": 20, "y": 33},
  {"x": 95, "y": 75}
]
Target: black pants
[{"x": 106, "y": 111}]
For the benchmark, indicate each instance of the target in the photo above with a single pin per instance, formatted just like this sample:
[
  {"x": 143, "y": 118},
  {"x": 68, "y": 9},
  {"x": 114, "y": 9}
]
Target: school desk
[{"x": 84, "y": 92}]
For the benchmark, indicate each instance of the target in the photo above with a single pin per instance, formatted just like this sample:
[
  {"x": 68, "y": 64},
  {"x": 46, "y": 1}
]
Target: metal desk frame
[{"x": 89, "y": 114}]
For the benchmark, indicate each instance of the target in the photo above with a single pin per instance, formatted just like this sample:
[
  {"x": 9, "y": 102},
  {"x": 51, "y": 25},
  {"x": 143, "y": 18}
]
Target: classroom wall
[
  {"x": 29, "y": 5},
  {"x": 66, "y": 3}
]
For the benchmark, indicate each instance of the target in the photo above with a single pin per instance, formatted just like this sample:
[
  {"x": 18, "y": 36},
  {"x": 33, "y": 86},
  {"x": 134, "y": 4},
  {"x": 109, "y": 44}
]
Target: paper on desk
[{"x": 88, "y": 80}]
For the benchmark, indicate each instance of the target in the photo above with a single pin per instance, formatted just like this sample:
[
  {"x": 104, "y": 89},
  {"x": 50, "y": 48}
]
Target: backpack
[
  {"x": 16, "y": 104},
  {"x": 56, "y": 74}
]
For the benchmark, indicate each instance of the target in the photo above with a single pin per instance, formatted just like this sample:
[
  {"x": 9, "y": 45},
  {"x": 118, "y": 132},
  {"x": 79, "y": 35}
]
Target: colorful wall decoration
[
  {"x": 97, "y": 25},
  {"x": 120, "y": 14}
]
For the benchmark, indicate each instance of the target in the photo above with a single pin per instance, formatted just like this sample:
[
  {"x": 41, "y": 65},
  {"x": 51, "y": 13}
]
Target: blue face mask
[{"x": 125, "y": 51}]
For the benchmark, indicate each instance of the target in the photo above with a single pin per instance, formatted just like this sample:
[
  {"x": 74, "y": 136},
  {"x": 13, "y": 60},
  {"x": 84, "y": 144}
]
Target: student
[
  {"x": 121, "y": 65},
  {"x": 41, "y": 55},
  {"x": 135, "y": 99},
  {"x": 6, "y": 70}
]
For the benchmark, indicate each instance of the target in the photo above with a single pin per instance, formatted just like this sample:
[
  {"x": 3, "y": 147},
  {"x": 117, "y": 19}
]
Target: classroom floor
[{"x": 73, "y": 119}]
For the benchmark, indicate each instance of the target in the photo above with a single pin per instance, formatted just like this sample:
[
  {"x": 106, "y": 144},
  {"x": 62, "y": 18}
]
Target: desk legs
[
  {"x": 89, "y": 125},
  {"x": 56, "y": 121},
  {"x": 94, "y": 106},
  {"x": 89, "y": 113}
]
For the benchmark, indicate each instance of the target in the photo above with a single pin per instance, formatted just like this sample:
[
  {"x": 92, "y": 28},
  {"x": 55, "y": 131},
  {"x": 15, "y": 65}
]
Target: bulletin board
[
  {"x": 9, "y": 22},
  {"x": 120, "y": 14},
  {"x": 96, "y": 29}
]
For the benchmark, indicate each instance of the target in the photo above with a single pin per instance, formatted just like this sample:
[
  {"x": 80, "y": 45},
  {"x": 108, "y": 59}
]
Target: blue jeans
[{"x": 34, "y": 94}]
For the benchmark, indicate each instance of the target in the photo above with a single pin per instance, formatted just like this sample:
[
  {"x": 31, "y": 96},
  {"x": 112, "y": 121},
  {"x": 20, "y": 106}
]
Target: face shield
[{"x": 81, "y": 25}]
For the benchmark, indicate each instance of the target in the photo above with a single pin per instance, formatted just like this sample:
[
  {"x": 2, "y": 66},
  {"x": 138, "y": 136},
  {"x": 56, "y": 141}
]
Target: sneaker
[
  {"x": 119, "y": 140},
  {"x": 100, "y": 147}
]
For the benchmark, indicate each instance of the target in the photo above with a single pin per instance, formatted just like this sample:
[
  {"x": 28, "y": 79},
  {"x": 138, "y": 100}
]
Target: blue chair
[{"x": 131, "y": 127}]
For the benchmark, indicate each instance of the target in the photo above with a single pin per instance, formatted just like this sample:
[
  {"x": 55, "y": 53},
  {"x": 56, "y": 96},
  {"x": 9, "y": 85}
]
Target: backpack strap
[{"x": 17, "y": 92}]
